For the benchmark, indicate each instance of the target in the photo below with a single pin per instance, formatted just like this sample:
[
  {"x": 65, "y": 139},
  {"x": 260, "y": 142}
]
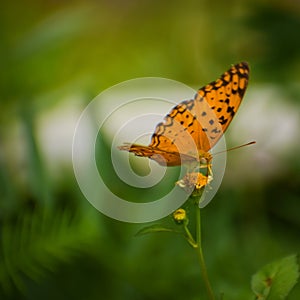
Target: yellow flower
[
  {"x": 179, "y": 215},
  {"x": 202, "y": 181},
  {"x": 194, "y": 180}
]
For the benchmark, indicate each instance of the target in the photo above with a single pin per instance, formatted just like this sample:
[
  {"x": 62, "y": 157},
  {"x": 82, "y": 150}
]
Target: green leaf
[
  {"x": 155, "y": 228},
  {"x": 275, "y": 281}
]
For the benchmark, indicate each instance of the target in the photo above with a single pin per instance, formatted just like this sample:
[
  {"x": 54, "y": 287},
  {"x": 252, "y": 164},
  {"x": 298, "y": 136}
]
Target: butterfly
[{"x": 194, "y": 126}]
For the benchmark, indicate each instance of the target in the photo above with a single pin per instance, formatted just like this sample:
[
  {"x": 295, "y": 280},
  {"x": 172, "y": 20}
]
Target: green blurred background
[{"x": 56, "y": 56}]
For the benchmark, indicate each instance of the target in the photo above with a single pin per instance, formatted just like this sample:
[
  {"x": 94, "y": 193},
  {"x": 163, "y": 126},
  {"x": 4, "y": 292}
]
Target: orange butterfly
[{"x": 193, "y": 127}]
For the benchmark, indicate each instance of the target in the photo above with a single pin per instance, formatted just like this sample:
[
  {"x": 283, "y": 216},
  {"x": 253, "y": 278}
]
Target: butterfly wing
[
  {"x": 163, "y": 157},
  {"x": 224, "y": 96},
  {"x": 217, "y": 103}
]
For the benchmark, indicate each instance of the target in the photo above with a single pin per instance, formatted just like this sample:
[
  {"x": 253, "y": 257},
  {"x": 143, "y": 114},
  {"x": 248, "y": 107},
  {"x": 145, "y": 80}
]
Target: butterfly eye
[{"x": 203, "y": 161}]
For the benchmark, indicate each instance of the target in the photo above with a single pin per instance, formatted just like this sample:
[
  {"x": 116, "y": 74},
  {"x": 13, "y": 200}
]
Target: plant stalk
[{"x": 201, "y": 257}]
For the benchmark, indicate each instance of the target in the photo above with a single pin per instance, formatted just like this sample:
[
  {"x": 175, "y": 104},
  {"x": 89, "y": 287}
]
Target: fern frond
[{"x": 38, "y": 242}]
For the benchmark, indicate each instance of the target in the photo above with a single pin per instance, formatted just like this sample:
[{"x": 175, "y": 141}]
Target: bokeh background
[{"x": 56, "y": 56}]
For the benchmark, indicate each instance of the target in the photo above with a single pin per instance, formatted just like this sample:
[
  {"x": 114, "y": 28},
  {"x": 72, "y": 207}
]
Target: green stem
[
  {"x": 189, "y": 237},
  {"x": 201, "y": 257}
]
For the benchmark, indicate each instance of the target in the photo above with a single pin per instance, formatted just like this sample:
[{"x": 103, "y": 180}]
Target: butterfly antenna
[{"x": 237, "y": 147}]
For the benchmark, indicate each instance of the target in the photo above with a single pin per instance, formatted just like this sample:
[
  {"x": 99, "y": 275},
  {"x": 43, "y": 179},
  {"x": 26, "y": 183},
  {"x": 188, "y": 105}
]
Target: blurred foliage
[{"x": 53, "y": 243}]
